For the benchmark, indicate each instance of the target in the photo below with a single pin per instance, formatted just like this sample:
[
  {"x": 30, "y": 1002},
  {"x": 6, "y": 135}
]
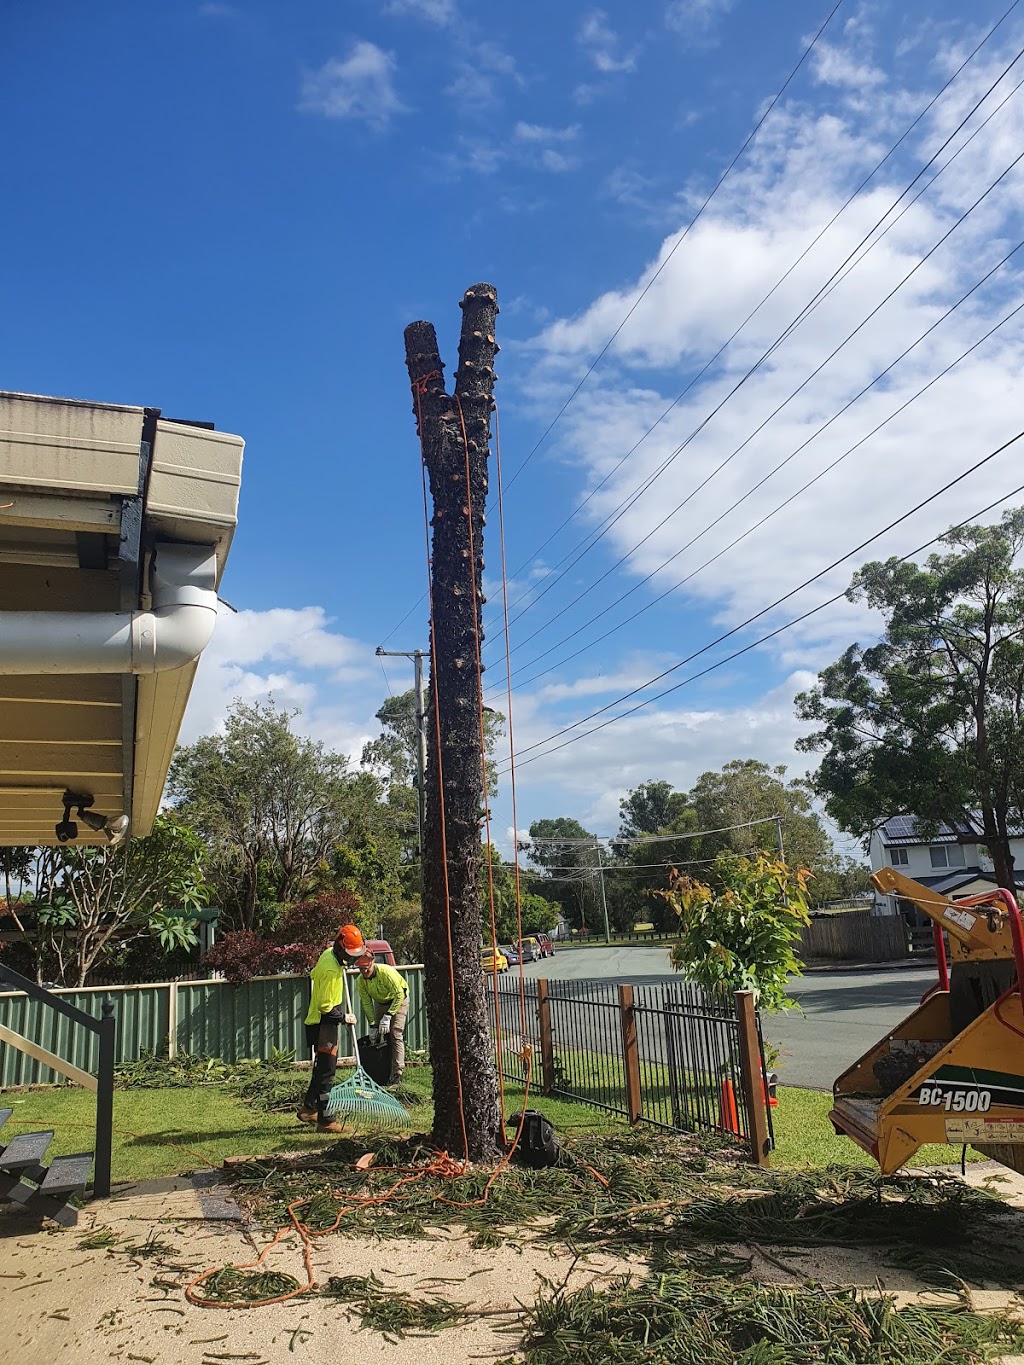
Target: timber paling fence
[
  {"x": 210, "y": 1018},
  {"x": 665, "y": 1054}
]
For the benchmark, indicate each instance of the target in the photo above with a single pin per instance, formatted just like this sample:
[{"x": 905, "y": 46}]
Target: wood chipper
[{"x": 953, "y": 1071}]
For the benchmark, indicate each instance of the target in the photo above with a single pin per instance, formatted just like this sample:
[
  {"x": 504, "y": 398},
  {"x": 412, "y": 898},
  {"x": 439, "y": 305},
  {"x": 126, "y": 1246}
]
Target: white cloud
[
  {"x": 797, "y": 176},
  {"x": 440, "y": 12},
  {"x": 480, "y": 71},
  {"x": 536, "y": 132},
  {"x": 841, "y": 67},
  {"x": 357, "y": 86},
  {"x": 602, "y": 46},
  {"x": 693, "y": 18}
]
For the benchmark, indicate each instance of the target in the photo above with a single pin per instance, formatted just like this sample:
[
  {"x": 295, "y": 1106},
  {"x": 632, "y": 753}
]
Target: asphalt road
[{"x": 842, "y": 1013}]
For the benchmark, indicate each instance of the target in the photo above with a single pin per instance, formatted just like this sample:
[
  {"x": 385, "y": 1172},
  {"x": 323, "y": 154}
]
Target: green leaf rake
[{"x": 360, "y": 1097}]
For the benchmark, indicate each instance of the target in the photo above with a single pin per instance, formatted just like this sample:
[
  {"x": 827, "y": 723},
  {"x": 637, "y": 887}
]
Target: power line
[
  {"x": 584, "y": 547},
  {"x": 757, "y": 308},
  {"x": 788, "y": 500},
  {"x": 653, "y": 838},
  {"x": 637, "y": 301},
  {"x": 770, "y": 607},
  {"x": 676, "y": 245}
]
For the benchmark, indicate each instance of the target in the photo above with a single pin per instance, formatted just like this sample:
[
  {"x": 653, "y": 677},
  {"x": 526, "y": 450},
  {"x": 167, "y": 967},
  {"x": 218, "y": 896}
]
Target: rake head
[{"x": 360, "y": 1097}]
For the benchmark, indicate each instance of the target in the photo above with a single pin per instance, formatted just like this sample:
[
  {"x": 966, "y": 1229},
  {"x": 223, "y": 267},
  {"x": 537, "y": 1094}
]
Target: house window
[
  {"x": 899, "y": 857},
  {"x": 947, "y": 855}
]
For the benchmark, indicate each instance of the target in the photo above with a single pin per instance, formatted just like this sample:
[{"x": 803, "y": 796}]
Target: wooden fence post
[
  {"x": 547, "y": 1047},
  {"x": 752, "y": 1076},
  {"x": 630, "y": 1053}
]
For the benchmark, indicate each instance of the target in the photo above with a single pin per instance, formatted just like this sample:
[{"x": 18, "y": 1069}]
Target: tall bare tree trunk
[{"x": 461, "y": 1053}]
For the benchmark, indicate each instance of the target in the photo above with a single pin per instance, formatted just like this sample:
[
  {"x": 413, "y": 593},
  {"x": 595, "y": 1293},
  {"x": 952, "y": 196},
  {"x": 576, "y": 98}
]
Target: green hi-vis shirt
[
  {"x": 328, "y": 992},
  {"x": 386, "y": 987}
]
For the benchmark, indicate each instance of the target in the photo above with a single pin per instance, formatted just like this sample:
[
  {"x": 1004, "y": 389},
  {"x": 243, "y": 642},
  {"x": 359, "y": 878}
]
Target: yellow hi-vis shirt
[
  {"x": 328, "y": 992},
  {"x": 386, "y": 987}
]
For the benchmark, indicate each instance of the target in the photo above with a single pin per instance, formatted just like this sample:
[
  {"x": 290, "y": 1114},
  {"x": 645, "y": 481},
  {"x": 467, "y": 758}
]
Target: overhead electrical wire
[
  {"x": 675, "y": 247},
  {"x": 605, "y": 348},
  {"x": 833, "y": 464},
  {"x": 650, "y": 838},
  {"x": 763, "y": 612},
  {"x": 779, "y": 282},
  {"x": 851, "y": 261}
]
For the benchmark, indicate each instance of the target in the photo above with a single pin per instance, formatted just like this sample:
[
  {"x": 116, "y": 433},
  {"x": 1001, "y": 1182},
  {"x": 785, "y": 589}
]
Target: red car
[{"x": 546, "y": 946}]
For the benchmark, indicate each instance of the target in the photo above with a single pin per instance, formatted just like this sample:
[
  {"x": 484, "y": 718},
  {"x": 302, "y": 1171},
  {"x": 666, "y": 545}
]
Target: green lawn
[{"x": 166, "y": 1131}]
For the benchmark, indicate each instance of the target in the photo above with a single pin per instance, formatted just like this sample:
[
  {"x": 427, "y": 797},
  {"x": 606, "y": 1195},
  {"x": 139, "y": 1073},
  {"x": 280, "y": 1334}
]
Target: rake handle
[{"x": 351, "y": 1011}]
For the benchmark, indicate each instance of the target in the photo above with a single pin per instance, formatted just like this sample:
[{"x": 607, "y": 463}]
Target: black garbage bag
[{"x": 376, "y": 1060}]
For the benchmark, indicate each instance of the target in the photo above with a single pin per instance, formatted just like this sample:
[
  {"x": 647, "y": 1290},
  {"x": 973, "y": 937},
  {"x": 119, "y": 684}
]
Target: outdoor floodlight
[{"x": 114, "y": 827}]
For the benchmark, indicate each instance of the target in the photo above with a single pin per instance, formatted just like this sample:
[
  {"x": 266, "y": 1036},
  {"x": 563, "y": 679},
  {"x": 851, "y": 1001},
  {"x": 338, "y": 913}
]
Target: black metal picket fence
[{"x": 665, "y": 1054}]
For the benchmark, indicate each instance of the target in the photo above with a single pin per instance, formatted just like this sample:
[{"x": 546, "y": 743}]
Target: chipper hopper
[{"x": 953, "y": 1071}]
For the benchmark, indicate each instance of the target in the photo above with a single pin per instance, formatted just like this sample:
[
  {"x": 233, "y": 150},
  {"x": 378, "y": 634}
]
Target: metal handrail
[{"x": 104, "y": 1028}]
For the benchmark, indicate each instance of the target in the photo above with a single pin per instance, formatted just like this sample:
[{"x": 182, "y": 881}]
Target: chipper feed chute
[{"x": 953, "y": 1071}]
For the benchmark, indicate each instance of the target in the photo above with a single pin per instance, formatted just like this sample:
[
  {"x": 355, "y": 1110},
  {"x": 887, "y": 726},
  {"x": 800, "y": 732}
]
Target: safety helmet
[{"x": 350, "y": 942}]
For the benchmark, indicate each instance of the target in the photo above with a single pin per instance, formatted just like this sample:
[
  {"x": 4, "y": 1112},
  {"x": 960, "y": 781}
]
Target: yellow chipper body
[{"x": 953, "y": 1071}]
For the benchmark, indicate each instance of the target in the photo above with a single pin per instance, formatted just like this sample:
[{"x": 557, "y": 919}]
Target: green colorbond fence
[{"x": 209, "y": 1017}]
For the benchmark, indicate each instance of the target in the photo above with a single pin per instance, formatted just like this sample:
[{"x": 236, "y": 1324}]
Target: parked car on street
[
  {"x": 493, "y": 960},
  {"x": 529, "y": 950},
  {"x": 546, "y": 944},
  {"x": 511, "y": 956}
]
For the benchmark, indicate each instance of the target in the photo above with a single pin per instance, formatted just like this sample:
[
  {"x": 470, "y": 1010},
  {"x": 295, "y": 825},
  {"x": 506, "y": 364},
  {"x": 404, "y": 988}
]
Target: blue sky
[{"x": 230, "y": 211}]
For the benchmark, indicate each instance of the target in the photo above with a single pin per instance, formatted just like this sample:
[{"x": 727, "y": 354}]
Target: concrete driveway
[{"x": 842, "y": 1013}]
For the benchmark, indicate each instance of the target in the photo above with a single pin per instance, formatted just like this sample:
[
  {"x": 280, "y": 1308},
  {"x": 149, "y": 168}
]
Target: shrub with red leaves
[{"x": 307, "y": 928}]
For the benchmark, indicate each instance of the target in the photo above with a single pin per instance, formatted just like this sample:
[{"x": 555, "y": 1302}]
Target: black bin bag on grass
[{"x": 376, "y": 1060}]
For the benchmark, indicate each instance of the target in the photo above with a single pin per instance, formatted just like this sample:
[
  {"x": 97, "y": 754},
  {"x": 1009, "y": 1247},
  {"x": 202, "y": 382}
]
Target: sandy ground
[{"x": 60, "y": 1303}]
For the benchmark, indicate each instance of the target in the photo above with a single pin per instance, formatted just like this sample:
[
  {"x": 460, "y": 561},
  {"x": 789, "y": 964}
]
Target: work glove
[
  {"x": 350, "y": 1019},
  {"x": 384, "y": 1028}
]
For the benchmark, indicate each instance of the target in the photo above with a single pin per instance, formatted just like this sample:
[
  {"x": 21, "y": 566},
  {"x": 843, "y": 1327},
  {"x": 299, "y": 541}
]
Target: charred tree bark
[{"x": 458, "y": 1021}]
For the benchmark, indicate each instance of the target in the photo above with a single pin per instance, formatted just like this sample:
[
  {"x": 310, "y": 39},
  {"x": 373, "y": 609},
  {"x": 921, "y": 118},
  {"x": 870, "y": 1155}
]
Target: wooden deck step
[
  {"x": 67, "y": 1174},
  {"x": 27, "y": 1149}
]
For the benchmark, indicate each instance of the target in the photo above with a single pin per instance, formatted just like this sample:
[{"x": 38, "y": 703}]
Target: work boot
[
  {"x": 331, "y": 1126},
  {"x": 305, "y": 1115}
]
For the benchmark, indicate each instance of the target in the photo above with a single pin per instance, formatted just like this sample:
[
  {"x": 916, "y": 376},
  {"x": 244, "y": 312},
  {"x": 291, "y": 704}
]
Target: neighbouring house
[
  {"x": 953, "y": 861},
  {"x": 115, "y": 524}
]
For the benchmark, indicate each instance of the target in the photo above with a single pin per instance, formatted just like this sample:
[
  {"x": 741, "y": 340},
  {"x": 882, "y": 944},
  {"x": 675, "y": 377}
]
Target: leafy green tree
[
  {"x": 537, "y": 914},
  {"x": 565, "y": 853},
  {"x": 725, "y": 804},
  {"x": 392, "y": 755},
  {"x": 930, "y": 721},
  {"x": 649, "y": 809},
  {"x": 97, "y": 899},
  {"x": 269, "y": 804},
  {"x": 16, "y": 864},
  {"x": 738, "y": 934}
]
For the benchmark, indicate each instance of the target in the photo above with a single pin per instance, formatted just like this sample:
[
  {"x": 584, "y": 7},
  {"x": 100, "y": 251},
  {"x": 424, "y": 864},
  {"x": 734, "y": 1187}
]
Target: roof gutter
[{"x": 173, "y": 634}]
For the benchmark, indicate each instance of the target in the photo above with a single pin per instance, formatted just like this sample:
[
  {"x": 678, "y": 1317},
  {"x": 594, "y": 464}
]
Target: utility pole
[
  {"x": 417, "y": 656},
  {"x": 604, "y": 898},
  {"x": 778, "y": 839},
  {"x": 455, "y": 434}
]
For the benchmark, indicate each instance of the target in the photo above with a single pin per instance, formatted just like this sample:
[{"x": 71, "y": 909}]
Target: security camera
[{"x": 65, "y": 829}]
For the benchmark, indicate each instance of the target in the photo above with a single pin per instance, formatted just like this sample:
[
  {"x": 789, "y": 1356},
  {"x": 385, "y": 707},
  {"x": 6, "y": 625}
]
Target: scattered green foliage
[
  {"x": 685, "y": 1319},
  {"x": 247, "y": 1286},
  {"x": 390, "y": 1311}
]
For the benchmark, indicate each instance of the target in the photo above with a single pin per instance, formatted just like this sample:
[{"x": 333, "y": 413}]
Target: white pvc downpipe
[{"x": 173, "y": 634}]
